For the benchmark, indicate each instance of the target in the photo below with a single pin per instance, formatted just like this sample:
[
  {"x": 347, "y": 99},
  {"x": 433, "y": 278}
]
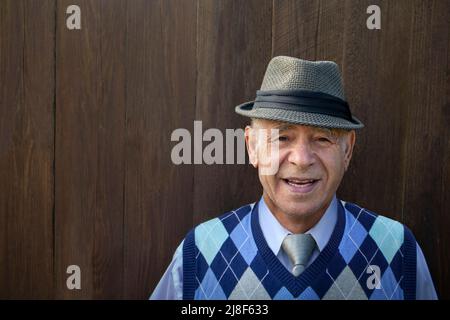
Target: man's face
[{"x": 311, "y": 163}]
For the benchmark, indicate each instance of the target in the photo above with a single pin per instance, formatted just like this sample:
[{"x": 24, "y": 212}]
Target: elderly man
[{"x": 299, "y": 241}]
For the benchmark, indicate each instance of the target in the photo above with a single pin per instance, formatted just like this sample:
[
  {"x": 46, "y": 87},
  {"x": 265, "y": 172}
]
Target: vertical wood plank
[
  {"x": 442, "y": 259},
  {"x": 378, "y": 89},
  {"x": 295, "y": 28},
  {"x": 427, "y": 147},
  {"x": 109, "y": 216},
  {"x": 90, "y": 128},
  {"x": 234, "y": 47},
  {"x": 161, "y": 80},
  {"x": 78, "y": 87},
  {"x": 26, "y": 149}
]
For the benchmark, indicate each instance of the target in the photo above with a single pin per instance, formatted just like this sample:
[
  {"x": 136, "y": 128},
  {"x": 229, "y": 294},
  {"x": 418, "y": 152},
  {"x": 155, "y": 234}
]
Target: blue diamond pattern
[
  {"x": 390, "y": 285},
  {"x": 244, "y": 240},
  {"x": 322, "y": 284},
  {"x": 389, "y": 288},
  {"x": 209, "y": 285},
  {"x": 379, "y": 261},
  {"x": 259, "y": 267},
  {"x": 242, "y": 211},
  {"x": 388, "y": 234},
  {"x": 249, "y": 251},
  {"x": 230, "y": 221},
  {"x": 336, "y": 266},
  {"x": 353, "y": 209},
  {"x": 308, "y": 294},
  {"x": 238, "y": 265},
  {"x": 212, "y": 234},
  {"x": 347, "y": 249},
  {"x": 226, "y": 249},
  {"x": 356, "y": 235},
  {"x": 369, "y": 247},
  {"x": 219, "y": 265},
  {"x": 283, "y": 294},
  {"x": 202, "y": 267},
  {"x": 239, "y": 236},
  {"x": 397, "y": 265},
  {"x": 271, "y": 284},
  {"x": 357, "y": 232},
  {"x": 228, "y": 282},
  {"x": 365, "y": 217},
  {"x": 358, "y": 264}
]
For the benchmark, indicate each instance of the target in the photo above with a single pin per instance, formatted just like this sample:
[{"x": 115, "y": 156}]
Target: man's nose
[{"x": 301, "y": 155}]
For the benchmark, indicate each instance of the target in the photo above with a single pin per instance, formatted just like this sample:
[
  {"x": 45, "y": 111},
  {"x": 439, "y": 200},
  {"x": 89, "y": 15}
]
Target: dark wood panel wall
[
  {"x": 86, "y": 118},
  {"x": 27, "y": 111}
]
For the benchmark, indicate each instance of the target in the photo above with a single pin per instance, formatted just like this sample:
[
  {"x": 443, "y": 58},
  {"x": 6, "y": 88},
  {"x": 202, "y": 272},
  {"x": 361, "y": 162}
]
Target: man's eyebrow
[
  {"x": 283, "y": 127},
  {"x": 324, "y": 130}
]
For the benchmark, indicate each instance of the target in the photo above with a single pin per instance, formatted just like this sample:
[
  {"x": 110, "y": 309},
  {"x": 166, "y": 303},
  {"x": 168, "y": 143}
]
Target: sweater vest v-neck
[{"x": 368, "y": 256}]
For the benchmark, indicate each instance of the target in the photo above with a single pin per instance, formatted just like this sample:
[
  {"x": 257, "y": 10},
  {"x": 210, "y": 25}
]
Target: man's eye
[
  {"x": 282, "y": 138},
  {"x": 323, "y": 139}
]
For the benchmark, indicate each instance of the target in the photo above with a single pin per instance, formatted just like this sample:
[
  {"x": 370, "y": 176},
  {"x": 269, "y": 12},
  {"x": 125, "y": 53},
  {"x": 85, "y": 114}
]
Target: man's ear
[
  {"x": 349, "y": 143},
  {"x": 251, "y": 143}
]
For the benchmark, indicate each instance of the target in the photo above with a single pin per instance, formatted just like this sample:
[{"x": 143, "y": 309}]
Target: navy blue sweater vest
[{"x": 367, "y": 257}]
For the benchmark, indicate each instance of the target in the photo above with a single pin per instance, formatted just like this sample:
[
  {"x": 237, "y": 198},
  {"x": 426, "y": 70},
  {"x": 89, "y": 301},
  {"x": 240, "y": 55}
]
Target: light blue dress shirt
[{"x": 170, "y": 287}]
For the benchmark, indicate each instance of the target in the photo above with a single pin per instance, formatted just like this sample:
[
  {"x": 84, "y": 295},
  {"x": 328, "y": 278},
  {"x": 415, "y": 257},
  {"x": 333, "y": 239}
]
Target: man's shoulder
[
  {"x": 377, "y": 225},
  {"x": 224, "y": 223}
]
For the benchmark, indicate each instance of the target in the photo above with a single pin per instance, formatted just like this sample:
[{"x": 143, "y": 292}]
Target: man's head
[
  {"x": 305, "y": 101},
  {"x": 311, "y": 162}
]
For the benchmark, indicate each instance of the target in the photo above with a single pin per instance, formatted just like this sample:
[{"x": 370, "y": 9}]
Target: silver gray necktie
[{"x": 299, "y": 248}]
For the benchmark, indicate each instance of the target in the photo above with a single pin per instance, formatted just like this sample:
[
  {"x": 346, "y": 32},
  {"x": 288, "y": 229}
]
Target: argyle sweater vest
[{"x": 367, "y": 257}]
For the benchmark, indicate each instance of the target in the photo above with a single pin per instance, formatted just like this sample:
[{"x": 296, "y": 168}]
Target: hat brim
[{"x": 298, "y": 117}]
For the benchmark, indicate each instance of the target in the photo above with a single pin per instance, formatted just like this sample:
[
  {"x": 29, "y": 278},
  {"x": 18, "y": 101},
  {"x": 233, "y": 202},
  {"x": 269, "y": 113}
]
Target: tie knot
[{"x": 299, "y": 248}]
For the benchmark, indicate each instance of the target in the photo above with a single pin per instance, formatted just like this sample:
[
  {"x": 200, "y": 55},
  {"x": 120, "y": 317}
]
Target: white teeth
[{"x": 297, "y": 182}]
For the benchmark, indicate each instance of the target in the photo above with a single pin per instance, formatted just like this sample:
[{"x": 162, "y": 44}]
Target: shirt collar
[{"x": 274, "y": 232}]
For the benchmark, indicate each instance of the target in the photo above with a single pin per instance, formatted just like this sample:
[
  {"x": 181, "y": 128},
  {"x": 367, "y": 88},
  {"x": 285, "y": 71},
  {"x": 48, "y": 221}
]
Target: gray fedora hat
[{"x": 302, "y": 92}]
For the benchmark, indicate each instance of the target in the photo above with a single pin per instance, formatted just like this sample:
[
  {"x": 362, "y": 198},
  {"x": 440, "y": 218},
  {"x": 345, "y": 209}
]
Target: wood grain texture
[
  {"x": 426, "y": 178},
  {"x": 109, "y": 215},
  {"x": 161, "y": 82},
  {"x": 234, "y": 46},
  {"x": 371, "y": 59},
  {"x": 78, "y": 108},
  {"x": 90, "y": 133},
  {"x": 26, "y": 149}
]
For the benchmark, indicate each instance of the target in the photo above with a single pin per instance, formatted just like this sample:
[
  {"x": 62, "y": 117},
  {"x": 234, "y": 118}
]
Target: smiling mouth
[{"x": 301, "y": 185}]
